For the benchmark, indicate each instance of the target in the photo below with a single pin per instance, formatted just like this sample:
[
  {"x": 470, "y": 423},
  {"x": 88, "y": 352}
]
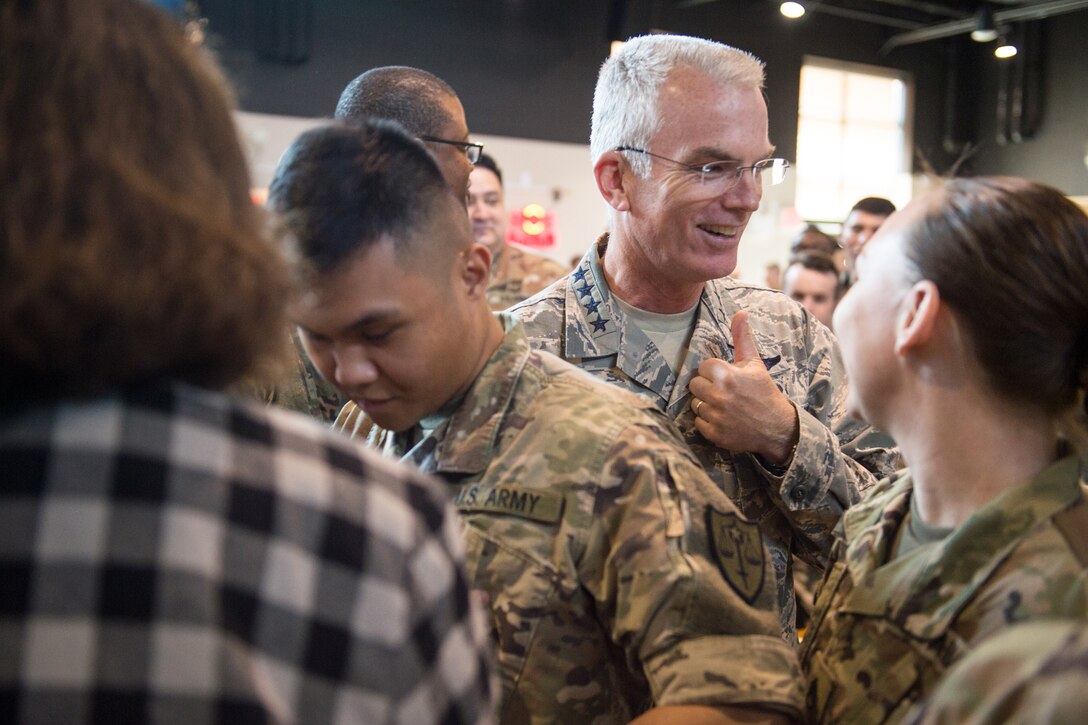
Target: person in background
[
  {"x": 812, "y": 280},
  {"x": 168, "y": 552},
  {"x": 811, "y": 239},
  {"x": 681, "y": 153},
  {"x": 965, "y": 338},
  {"x": 515, "y": 273},
  {"x": 621, "y": 581},
  {"x": 861, "y": 224},
  {"x": 426, "y": 106},
  {"x": 772, "y": 275}
]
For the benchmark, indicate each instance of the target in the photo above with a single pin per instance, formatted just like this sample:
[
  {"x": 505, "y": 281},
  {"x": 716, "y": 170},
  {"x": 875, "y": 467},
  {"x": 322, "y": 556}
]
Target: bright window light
[{"x": 853, "y": 137}]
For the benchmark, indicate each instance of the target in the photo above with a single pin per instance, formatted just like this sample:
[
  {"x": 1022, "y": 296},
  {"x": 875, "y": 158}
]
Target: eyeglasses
[
  {"x": 472, "y": 150},
  {"x": 721, "y": 176}
]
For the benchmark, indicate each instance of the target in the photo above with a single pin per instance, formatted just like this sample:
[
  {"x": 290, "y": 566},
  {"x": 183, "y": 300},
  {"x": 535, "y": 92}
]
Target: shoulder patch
[
  {"x": 527, "y": 503},
  {"x": 738, "y": 550}
]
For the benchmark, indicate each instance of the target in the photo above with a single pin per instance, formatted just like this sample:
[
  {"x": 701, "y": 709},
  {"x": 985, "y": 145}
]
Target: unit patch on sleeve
[{"x": 738, "y": 549}]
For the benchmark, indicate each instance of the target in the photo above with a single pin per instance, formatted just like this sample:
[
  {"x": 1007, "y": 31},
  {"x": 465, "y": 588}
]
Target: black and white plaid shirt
[{"x": 174, "y": 556}]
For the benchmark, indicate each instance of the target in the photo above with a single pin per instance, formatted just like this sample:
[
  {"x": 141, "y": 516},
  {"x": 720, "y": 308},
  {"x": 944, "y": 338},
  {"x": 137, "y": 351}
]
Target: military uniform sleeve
[
  {"x": 683, "y": 583},
  {"x": 837, "y": 457}
]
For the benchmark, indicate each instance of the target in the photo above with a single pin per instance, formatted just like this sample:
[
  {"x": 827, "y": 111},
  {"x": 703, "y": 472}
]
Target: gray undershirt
[
  {"x": 914, "y": 533},
  {"x": 669, "y": 332}
]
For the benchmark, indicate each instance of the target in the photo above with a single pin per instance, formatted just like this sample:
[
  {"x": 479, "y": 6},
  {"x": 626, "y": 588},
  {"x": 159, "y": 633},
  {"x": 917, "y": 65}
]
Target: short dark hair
[
  {"x": 803, "y": 240},
  {"x": 815, "y": 261},
  {"x": 1010, "y": 257},
  {"x": 486, "y": 162},
  {"x": 340, "y": 189},
  {"x": 410, "y": 96},
  {"x": 130, "y": 249},
  {"x": 874, "y": 205}
]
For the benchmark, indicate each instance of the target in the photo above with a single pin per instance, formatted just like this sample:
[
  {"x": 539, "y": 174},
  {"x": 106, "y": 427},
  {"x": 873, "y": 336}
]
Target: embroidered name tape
[{"x": 527, "y": 503}]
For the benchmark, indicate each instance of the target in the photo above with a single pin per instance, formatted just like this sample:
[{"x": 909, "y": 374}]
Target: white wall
[{"x": 559, "y": 177}]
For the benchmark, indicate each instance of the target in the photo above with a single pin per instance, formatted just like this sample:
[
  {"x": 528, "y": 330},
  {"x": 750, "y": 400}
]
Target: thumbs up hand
[{"x": 737, "y": 405}]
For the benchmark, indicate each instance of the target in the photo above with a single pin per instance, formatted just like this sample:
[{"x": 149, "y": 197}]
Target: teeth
[{"x": 715, "y": 229}]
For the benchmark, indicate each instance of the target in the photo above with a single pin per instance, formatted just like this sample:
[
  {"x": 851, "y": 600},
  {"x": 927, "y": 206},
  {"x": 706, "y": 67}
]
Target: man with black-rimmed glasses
[
  {"x": 426, "y": 106},
  {"x": 681, "y": 154}
]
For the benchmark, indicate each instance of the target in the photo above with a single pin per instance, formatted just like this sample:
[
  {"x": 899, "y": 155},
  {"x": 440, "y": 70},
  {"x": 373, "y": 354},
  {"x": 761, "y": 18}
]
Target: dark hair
[
  {"x": 874, "y": 205},
  {"x": 1010, "y": 257},
  {"x": 811, "y": 237},
  {"x": 130, "y": 249},
  {"x": 340, "y": 189},
  {"x": 410, "y": 96},
  {"x": 486, "y": 162},
  {"x": 816, "y": 261}
]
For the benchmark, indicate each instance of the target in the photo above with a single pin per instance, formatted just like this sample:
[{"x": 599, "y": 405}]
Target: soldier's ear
[
  {"x": 474, "y": 269},
  {"x": 612, "y": 175},
  {"x": 916, "y": 320}
]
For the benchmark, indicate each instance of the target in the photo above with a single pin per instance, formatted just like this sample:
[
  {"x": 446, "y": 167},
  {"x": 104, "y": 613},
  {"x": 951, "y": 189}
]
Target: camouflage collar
[
  {"x": 925, "y": 600},
  {"x": 466, "y": 441},
  {"x": 594, "y": 327}
]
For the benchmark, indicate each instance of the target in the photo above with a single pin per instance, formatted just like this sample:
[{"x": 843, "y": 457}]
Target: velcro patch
[
  {"x": 526, "y": 503},
  {"x": 738, "y": 549}
]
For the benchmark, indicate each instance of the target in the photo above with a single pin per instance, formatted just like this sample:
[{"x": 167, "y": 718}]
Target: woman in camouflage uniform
[{"x": 966, "y": 339}]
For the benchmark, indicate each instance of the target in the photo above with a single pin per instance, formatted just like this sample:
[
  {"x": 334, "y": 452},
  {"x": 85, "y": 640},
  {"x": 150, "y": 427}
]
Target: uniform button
[{"x": 798, "y": 493}]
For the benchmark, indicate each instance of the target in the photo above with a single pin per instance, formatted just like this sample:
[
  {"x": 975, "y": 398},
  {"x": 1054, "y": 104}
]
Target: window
[{"x": 853, "y": 137}]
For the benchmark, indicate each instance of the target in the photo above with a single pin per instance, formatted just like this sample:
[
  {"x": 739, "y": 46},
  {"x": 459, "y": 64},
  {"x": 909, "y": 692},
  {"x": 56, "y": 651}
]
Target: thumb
[{"x": 744, "y": 344}]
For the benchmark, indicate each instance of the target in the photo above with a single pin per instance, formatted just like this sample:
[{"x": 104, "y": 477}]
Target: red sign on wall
[{"x": 532, "y": 226}]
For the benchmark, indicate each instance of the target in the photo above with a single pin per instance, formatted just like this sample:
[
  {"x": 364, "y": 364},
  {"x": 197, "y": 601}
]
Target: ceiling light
[
  {"x": 985, "y": 30},
  {"x": 1005, "y": 49},
  {"x": 792, "y": 10}
]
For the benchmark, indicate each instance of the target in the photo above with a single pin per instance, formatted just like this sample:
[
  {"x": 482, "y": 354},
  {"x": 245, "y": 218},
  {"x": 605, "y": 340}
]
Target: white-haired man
[{"x": 681, "y": 151}]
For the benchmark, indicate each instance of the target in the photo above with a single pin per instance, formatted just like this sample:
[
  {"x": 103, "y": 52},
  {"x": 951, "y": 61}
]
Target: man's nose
[
  {"x": 354, "y": 368},
  {"x": 746, "y": 193}
]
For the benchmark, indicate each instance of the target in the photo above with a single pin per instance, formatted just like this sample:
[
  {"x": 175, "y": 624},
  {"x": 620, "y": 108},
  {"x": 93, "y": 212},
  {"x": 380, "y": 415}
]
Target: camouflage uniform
[
  {"x": 796, "y": 511},
  {"x": 1030, "y": 673},
  {"x": 304, "y": 390},
  {"x": 619, "y": 577},
  {"x": 517, "y": 274},
  {"x": 885, "y": 630}
]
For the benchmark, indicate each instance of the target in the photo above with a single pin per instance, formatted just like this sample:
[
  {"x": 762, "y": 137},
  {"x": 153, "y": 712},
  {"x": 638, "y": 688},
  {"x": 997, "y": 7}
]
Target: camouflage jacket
[
  {"x": 517, "y": 274},
  {"x": 1030, "y": 673},
  {"x": 797, "y": 512},
  {"x": 885, "y": 630},
  {"x": 618, "y": 576},
  {"x": 303, "y": 389}
]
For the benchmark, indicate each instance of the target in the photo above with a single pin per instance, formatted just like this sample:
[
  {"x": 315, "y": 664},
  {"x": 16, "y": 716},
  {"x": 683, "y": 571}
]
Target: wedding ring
[{"x": 698, "y": 404}]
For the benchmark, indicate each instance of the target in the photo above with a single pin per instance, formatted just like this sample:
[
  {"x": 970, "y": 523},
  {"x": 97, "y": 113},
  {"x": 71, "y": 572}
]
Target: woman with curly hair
[{"x": 170, "y": 553}]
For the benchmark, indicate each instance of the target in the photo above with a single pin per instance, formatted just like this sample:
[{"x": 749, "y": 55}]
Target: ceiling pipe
[
  {"x": 867, "y": 17},
  {"x": 924, "y": 7},
  {"x": 961, "y": 27}
]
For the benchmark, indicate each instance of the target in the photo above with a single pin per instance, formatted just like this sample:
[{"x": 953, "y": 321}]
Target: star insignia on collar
[
  {"x": 592, "y": 306},
  {"x": 579, "y": 275},
  {"x": 583, "y": 290},
  {"x": 599, "y": 324}
]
